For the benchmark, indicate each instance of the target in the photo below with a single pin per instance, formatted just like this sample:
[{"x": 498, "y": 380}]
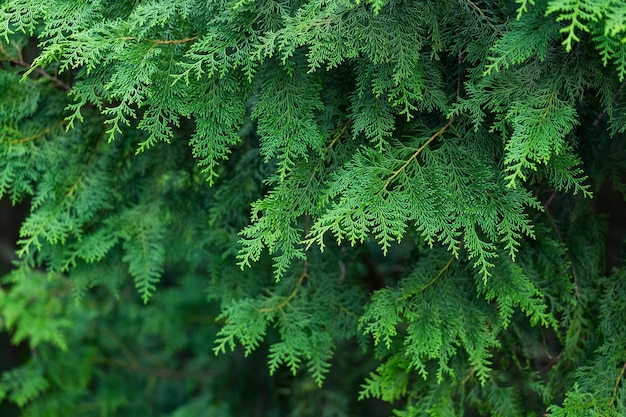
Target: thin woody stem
[
  {"x": 80, "y": 178},
  {"x": 471, "y": 373},
  {"x": 416, "y": 154},
  {"x": 596, "y": 123},
  {"x": 327, "y": 151},
  {"x": 558, "y": 235},
  {"x": 37, "y": 135},
  {"x": 337, "y": 136},
  {"x": 440, "y": 273},
  {"x": 162, "y": 41},
  {"x": 40, "y": 71},
  {"x": 619, "y": 379},
  {"x": 293, "y": 293}
]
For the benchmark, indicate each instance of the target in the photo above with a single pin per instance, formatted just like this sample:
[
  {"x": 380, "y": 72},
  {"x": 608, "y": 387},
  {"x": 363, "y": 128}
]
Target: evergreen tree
[{"x": 386, "y": 204}]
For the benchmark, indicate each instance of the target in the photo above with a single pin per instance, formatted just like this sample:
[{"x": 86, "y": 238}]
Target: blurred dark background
[{"x": 10, "y": 220}]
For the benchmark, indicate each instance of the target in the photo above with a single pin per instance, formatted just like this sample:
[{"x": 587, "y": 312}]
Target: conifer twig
[
  {"x": 480, "y": 12},
  {"x": 327, "y": 151},
  {"x": 596, "y": 123},
  {"x": 545, "y": 206},
  {"x": 439, "y": 274},
  {"x": 467, "y": 378},
  {"x": 37, "y": 135},
  {"x": 416, "y": 154},
  {"x": 345, "y": 310},
  {"x": 293, "y": 293},
  {"x": 337, "y": 136},
  {"x": 76, "y": 183},
  {"x": 558, "y": 235},
  {"x": 22, "y": 63},
  {"x": 459, "y": 60},
  {"x": 162, "y": 41},
  {"x": 550, "y": 364},
  {"x": 125, "y": 350},
  {"x": 617, "y": 382},
  {"x": 163, "y": 373}
]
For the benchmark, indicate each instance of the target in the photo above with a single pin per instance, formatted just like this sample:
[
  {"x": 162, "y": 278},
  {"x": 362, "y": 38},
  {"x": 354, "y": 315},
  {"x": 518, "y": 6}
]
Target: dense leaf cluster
[{"x": 407, "y": 180}]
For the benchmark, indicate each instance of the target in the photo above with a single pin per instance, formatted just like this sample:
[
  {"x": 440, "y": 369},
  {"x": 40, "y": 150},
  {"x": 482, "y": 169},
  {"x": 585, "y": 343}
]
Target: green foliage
[{"x": 382, "y": 207}]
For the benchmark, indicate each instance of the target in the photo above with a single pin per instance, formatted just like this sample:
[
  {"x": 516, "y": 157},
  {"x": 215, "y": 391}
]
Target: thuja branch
[{"x": 416, "y": 154}]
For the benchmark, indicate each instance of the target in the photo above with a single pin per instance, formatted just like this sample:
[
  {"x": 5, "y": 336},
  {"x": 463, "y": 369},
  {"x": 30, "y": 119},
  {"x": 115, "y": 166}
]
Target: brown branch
[
  {"x": 66, "y": 87},
  {"x": 79, "y": 180},
  {"x": 596, "y": 123},
  {"x": 54, "y": 79},
  {"x": 326, "y": 151},
  {"x": 558, "y": 235},
  {"x": 617, "y": 382},
  {"x": 337, "y": 136},
  {"x": 161, "y": 41},
  {"x": 545, "y": 206},
  {"x": 553, "y": 361},
  {"x": 416, "y": 154},
  {"x": 439, "y": 274},
  {"x": 293, "y": 293},
  {"x": 467, "y": 378},
  {"x": 458, "y": 77},
  {"x": 163, "y": 373},
  {"x": 37, "y": 135},
  {"x": 482, "y": 14}
]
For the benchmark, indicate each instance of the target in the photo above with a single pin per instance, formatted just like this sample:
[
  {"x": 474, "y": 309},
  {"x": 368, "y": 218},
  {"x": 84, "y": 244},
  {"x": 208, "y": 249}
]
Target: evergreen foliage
[{"x": 382, "y": 199}]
